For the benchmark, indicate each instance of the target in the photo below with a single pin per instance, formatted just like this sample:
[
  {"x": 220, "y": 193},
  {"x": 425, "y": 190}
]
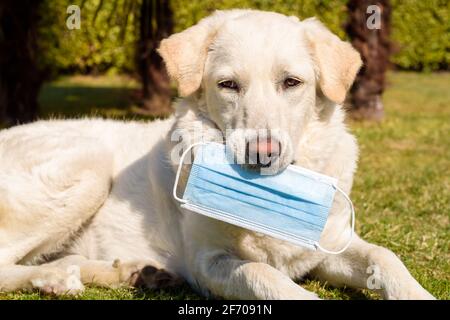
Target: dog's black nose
[{"x": 262, "y": 152}]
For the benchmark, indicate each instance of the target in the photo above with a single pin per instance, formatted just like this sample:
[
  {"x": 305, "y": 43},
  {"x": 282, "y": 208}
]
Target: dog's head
[{"x": 263, "y": 75}]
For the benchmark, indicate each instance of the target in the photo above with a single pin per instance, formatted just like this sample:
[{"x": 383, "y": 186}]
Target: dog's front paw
[
  {"x": 296, "y": 296},
  {"x": 294, "y": 292},
  {"x": 421, "y": 294},
  {"x": 415, "y": 293},
  {"x": 305, "y": 296}
]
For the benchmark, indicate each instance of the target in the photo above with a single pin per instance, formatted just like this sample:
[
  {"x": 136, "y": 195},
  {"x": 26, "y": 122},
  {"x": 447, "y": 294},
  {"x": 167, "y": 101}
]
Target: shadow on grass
[
  {"x": 351, "y": 294},
  {"x": 326, "y": 291},
  {"x": 183, "y": 292},
  {"x": 74, "y": 101}
]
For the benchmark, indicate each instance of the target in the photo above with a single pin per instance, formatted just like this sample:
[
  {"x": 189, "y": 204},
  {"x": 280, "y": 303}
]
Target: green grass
[
  {"x": 402, "y": 187},
  {"x": 401, "y": 190}
]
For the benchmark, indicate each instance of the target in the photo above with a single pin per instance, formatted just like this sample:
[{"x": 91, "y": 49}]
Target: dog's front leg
[
  {"x": 231, "y": 278},
  {"x": 365, "y": 265}
]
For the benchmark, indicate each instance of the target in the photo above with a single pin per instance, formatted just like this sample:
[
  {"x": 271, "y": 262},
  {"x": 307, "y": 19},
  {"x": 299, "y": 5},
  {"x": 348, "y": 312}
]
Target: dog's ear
[
  {"x": 336, "y": 60},
  {"x": 185, "y": 53}
]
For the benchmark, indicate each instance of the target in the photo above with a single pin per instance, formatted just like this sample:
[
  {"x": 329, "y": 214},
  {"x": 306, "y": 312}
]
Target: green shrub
[
  {"x": 420, "y": 29},
  {"x": 105, "y": 43},
  {"x": 330, "y": 12}
]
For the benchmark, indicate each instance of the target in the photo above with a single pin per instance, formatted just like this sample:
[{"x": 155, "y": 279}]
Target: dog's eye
[
  {"x": 228, "y": 84},
  {"x": 291, "y": 82}
]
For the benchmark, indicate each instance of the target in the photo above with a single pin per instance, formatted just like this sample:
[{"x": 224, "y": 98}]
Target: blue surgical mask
[{"x": 292, "y": 205}]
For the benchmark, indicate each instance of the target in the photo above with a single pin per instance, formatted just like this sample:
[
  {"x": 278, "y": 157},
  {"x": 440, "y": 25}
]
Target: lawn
[{"x": 401, "y": 191}]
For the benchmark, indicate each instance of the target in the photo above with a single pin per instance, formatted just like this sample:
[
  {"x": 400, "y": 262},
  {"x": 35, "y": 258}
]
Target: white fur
[{"x": 86, "y": 192}]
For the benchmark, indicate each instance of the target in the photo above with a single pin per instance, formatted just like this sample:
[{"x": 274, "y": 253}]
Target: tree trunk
[
  {"x": 375, "y": 48},
  {"x": 155, "y": 24},
  {"x": 20, "y": 77}
]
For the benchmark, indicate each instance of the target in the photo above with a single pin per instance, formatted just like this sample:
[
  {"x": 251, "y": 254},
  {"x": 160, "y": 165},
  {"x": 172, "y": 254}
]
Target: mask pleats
[{"x": 293, "y": 202}]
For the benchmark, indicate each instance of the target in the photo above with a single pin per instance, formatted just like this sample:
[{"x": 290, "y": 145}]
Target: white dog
[{"x": 90, "y": 201}]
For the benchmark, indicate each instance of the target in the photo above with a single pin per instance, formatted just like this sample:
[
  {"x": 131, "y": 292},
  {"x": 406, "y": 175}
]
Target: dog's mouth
[
  {"x": 265, "y": 150},
  {"x": 262, "y": 154},
  {"x": 266, "y": 166},
  {"x": 268, "y": 169}
]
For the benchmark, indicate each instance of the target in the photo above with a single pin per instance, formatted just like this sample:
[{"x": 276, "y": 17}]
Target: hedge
[
  {"x": 420, "y": 30},
  {"x": 105, "y": 41}
]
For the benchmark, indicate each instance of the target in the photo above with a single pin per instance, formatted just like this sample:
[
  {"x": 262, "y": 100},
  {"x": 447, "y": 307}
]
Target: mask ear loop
[
  {"x": 352, "y": 225},
  {"x": 180, "y": 166}
]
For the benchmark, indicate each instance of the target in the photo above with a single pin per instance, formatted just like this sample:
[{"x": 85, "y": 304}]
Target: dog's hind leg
[
  {"x": 68, "y": 275},
  {"x": 43, "y": 205},
  {"x": 141, "y": 273}
]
